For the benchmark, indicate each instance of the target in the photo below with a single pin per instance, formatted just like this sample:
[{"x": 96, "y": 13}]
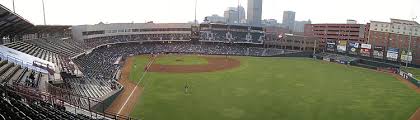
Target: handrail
[{"x": 48, "y": 97}]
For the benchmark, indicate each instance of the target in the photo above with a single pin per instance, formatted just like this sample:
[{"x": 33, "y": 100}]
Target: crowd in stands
[
  {"x": 236, "y": 37},
  {"x": 336, "y": 57},
  {"x": 99, "y": 67},
  {"x": 110, "y": 53},
  {"x": 93, "y": 42}
]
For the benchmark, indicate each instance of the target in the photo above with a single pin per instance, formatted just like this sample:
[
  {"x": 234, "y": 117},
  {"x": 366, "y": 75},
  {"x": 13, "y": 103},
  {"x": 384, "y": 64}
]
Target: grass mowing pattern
[{"x": 277, "y": 88}]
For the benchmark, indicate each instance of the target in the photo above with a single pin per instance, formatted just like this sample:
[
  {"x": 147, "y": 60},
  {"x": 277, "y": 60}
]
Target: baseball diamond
[
  {"x": 238, "y": 66},
  {"x": 321, "y": 91}
]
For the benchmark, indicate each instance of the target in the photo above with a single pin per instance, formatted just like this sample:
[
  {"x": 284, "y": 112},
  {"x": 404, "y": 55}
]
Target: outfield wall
[
  {"x": 408, "y": 76},
  {"x": 106, "y": 101}
]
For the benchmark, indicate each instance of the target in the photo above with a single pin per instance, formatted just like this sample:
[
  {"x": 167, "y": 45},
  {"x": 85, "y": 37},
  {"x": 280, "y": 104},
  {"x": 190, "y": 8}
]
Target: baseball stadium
[{"x": 201, "y": 71}]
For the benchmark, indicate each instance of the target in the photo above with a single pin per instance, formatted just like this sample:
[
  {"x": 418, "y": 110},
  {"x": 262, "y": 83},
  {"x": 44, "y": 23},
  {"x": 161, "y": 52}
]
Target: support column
[{"x": 1, "y": 40}]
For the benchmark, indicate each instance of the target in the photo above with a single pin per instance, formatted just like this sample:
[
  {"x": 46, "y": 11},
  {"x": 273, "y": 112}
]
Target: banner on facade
[
  {"x": 392, "y": 54},
  {"x": 365, "y": 50},
  {"x": 354, "y": 48},
  {"x": 406, "y": 56},
  {"x": 378, "y": 52},
  {"x": 331, "y": 46},
  {"x": 342, "y": 46}
]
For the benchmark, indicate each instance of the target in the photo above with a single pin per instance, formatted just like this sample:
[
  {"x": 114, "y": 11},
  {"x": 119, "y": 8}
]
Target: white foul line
[{"x": 142, "y": 77}]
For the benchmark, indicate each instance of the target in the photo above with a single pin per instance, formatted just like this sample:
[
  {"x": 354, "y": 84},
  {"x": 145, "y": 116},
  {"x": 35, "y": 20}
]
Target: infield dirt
[
  {"x": 214, "y": 64},
  {"x": 118, "y": 104}
]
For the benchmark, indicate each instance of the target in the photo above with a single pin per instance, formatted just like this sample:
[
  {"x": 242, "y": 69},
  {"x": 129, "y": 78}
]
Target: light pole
[
  {"x": 13, "y": 1},
  {"x": 195, "y": 12},
  {"x": 43, "y": 11},
  {"x": 409, "y": 44},
  {"x": 314, "y": 52}
]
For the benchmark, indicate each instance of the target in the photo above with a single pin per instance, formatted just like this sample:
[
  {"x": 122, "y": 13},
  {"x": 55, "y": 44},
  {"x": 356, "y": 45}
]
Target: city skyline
[{"x": 77, "y": 12}]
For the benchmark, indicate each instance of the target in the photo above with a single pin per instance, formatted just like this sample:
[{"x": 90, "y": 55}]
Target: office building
[
  {"x": 289, "y": 19},
  {"x": 254, "y": 13}
]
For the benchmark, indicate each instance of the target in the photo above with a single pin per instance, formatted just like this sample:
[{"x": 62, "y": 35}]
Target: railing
[{"x": 63, "y": 97}]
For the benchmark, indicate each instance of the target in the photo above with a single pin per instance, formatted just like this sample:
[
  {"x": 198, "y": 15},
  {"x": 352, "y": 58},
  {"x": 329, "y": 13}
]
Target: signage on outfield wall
[
  {"x": 365, "y": 50},
  {"x": 366, "y": 46},
  {"x": 378, "y": 52},
  {"x": 331, "y": 46},
  {"x": 406, "y": 56},
  {"x": 392, "y": 54},
  {"x": 342, "y": 46},
  {"x": 354, "y": 48}
]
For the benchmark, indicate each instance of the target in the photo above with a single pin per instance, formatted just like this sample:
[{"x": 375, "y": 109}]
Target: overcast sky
[{"x": 77, "y": 12}]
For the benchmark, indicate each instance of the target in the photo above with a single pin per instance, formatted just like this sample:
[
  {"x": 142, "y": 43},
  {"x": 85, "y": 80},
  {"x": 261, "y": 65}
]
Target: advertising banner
[
  {"x": 366, "y": 46},
  {"x": 342, "y": 46},
  {"x": 354, "y": 48},
  {"x": 406, "y": 56},
  {"x": 331, "y": 46},
  {"x": 365, "y": 50},
  {"x": 378, "y": 52},
  {"x": 392, "y": 54}
]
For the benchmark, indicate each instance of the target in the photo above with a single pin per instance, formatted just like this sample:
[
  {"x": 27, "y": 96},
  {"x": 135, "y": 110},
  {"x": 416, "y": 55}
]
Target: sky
[{"x": 81, "y": 12}]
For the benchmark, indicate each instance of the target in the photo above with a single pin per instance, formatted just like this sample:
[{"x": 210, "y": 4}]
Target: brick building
[
  {"x": 383, "y": 36},
  {"x": 294, "y": 42},
  {"x": 396, "y": 34},
  {"x": 336, "y": 32}
]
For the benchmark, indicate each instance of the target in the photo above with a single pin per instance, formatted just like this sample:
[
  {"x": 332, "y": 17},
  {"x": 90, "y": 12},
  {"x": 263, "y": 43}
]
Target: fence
[
  {"x": 107, "y": 100},
  {"x": 392, "y": 68},
  {"x": 409, "y": 77},
  {"x": 93, "y": 105}
]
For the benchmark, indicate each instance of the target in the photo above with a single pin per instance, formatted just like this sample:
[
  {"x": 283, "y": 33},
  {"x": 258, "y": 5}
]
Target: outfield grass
[
  {"x": 277, "y": 89},
  {"x": 138, "y": 67}
]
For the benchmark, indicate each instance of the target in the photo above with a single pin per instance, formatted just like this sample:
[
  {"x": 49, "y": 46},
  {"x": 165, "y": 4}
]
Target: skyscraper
[
  {"x": 254, "y": 12},
  {"x": 235, "y": 15},
  {"x": 299, "y": 26},
  {"x": 231, "y": 15},
  {"x": 289, "y": 19},
  {"x": 241, "y": 12}
]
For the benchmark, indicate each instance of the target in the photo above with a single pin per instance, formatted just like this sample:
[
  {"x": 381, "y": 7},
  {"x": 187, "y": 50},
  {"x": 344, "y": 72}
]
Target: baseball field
[{"x": 191, "y": 87}]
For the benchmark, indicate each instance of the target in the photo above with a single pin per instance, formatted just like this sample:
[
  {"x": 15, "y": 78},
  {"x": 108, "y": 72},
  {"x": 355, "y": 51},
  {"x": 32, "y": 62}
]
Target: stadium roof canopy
[
  {"x": 11, "y": 23},
  {"x": 46, "y": 29}
]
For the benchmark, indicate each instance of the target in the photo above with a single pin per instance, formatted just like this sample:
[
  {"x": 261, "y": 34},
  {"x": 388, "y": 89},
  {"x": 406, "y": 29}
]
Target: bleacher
[
  {"x": 94, "y": 88},
  {"x": 253, "y": 51},
  {"x": 15, "y": 107},
  {"x": 51, "y": 46},
  {"x": 14, "y": 74},
  {"x": 96, "y": 85},
  {"x": 74, "y": 44},
  {"x": 63, "y": 63},
  {"x": 339, "y": 57}
]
